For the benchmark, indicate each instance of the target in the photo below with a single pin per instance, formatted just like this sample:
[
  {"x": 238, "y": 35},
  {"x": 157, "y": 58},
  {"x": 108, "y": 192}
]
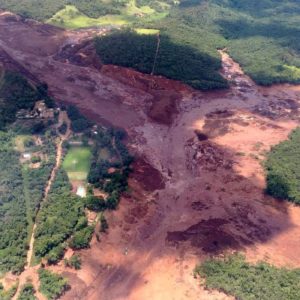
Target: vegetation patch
[
  {"x": 77, "y": 162},
  {"x": 59, "y": 218},
  {"x": 71, "y": 17},
  {"x": 160, "y": 56},
  {"x": 27, "y": 292},
  {"x": 283, "y": 169},
  {"x": 262, "y": 35},
  {"x": 115, "y": 13},
  {"x": 51, "y": 284},
  {"x": 13, "y": 221},
  {"x": 108, "y": 173},
  {"x": 146, "y": 31},
  {"x": 8, "y": 294},
  {"x": 17, "y": 93},
  {"x": 245, "y": 281}
]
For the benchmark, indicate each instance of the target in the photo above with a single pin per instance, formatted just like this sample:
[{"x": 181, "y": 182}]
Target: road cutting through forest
[{"x": 30, "y": 272}]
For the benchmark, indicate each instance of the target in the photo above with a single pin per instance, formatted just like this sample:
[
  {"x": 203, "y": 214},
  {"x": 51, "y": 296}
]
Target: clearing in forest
[{"x": 77, "y": 162}]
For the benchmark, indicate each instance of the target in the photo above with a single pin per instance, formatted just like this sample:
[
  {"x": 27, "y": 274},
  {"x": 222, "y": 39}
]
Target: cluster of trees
[
  {"x": 43, "y": 10},
  {"x": 157, "y": 5},
  {"x": 113, "y": 183},
  {"x": 263, "y": 36},
  {"x": 73, "y": 262},
  {"x": 234, "y": 276},
  {"x": 13, "y": 222},
  {"x": 173, "y": 60},
  {"x": 51, "y": 284},
  {"x": 35, "y": 179},
  {"x": 283, "y": 169},
  {"x": 79, "y": 122},
  {"x": 27, "y": 292},
  {"x": 61, "y": 221},
  {"x": 81, "y": 238},
  {"x": 17, "y": 93},
  {"x": 97, "y": 8}
]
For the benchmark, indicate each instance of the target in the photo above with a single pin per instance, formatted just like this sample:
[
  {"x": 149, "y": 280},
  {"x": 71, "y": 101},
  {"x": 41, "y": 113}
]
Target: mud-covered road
[{"x": 198, "y": 183}]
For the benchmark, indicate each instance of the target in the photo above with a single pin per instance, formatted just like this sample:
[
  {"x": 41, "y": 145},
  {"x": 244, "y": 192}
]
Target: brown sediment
[{"x": 198, "y": 187}]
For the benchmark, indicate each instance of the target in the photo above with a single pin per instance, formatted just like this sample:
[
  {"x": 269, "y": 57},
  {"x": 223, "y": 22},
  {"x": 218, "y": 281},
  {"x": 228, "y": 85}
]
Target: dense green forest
[
  {"x": 262, "y": 35},
  {"x": 21, "y": 192},
  {"x": 245, "y": 281},
  {"x": 13, "y": 221},
  {"x": 15, "y": 93},
  {"x": 22, "y": 187},
  {"x": 35, "y": 178},
  {"x": 61, "y": 217},
  {"x": 42, "y": 10},
  {"x": 175, "y": 61},
  {"x": 283, "y": 169}
]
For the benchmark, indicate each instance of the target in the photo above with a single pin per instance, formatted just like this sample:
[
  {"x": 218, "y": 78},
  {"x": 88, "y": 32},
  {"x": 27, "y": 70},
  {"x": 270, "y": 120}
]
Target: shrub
[
  {"x": 95, "y": 203},
  {"x": 74, "y": 262},
  {"x": 35, "y": 159},
  {"x": 103, "y": 223}
]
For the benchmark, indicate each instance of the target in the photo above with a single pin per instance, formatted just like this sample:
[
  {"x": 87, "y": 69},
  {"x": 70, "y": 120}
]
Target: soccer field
[{"x": 77, "y": 163}]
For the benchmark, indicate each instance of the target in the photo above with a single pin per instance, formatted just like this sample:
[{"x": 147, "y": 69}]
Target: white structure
[
  {"x": 27, "y": 155},
  {"x": 81, "y": 191}
]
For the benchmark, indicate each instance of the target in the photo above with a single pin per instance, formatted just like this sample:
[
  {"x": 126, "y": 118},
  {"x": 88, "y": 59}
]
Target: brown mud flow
[{"x": 198, "y": 187}]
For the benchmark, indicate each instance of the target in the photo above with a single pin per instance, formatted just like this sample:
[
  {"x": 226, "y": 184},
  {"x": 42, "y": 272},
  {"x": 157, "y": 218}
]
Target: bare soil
[{"x": 197, "y": 189}]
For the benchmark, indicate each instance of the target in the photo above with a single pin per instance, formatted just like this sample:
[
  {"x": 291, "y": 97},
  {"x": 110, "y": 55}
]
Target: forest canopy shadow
[
  {"x": 159, "y": 55},
  {"x": 287, "y": 36}
]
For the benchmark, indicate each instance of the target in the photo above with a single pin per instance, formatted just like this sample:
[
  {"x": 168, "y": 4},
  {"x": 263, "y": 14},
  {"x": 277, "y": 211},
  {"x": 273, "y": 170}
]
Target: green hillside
[{"x": 263, "y": 36}]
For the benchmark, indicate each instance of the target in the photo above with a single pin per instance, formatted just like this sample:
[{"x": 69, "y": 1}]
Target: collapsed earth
[{"x": 138, "y": 162}]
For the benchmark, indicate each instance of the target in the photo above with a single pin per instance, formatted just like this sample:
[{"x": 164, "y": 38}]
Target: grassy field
[
  {"x": 77, "y": 163},
  {"x": 71, "y": 17},
  {"x": 20, "y": 142},
  {"x": 146, "y": 31}
]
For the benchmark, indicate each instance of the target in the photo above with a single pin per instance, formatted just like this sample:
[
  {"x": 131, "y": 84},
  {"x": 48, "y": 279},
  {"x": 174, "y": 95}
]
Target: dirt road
[{"x": 198, "y": 183}]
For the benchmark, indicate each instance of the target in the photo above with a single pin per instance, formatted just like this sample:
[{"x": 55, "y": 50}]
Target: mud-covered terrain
[{"x": 198, "y": 183}]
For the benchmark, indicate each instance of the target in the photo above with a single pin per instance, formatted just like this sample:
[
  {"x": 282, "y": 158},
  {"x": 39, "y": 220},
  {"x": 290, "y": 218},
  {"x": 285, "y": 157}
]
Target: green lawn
[
  {"x": 20, "y": 142},
  {"x": 77, "y": 162},
  {"x": 146, "y": 31},
  {"x": 71, "y": 17}
]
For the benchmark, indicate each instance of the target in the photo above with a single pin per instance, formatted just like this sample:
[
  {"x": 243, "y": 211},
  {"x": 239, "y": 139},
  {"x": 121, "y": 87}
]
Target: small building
[
  {"x": 27, "y": 156},
  {"x": 81, "y": 191},
  {"x": 40, "y": 110},
  {"x": 26, "y": 114},
  {"x": 43, "y": 111}
]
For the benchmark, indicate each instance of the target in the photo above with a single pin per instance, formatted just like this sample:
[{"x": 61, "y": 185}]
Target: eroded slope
[{"x": 198, "y": 184}]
